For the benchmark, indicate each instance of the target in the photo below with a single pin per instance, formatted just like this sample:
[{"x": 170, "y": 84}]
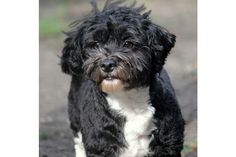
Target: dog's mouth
[
  {"x": 110, "y": 78},
  {"x": 111, "y": 84}
]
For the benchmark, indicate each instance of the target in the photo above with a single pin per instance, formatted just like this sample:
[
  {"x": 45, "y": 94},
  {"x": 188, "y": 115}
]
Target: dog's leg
[
  {"x": 74, "y": 117},
  {"x": 90, "y": 115},
  {"x": 168, "y": 137},
  {"x": 79, "y": 146}
]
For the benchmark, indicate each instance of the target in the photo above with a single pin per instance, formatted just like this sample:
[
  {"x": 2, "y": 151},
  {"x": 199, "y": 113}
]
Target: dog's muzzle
[{"x": 110, "y": 83}]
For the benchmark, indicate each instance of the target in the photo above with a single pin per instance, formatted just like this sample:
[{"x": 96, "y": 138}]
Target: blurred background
[{"x": 178, "y": 16}]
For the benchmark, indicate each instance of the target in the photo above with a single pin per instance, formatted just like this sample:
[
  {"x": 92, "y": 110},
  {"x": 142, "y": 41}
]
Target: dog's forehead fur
[{"x": 117, "y": 24}]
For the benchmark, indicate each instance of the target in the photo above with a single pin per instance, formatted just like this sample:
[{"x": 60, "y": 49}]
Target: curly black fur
[
  {"x": 100, "y": 127},
  {"x": 139, "y": 47}
]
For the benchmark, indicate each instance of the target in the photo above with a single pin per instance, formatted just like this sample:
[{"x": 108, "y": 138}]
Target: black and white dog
[{"x": 121, "y": 101}]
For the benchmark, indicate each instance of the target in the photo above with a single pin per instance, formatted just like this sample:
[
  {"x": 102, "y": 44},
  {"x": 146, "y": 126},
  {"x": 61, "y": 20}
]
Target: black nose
[{"x": 108, "y": 65}]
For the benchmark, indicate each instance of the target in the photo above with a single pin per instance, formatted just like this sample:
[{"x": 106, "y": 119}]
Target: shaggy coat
[{"x": 119, "y": 88}]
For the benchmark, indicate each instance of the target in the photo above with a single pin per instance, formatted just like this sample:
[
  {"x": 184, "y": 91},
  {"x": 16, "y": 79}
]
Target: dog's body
[{"x": 121, "y": 101}]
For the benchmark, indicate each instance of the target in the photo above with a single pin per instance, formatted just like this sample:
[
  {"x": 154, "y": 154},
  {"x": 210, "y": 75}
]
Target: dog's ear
[
  {"x": 71, "y": 59},
  {"x": 166, "y": 40},
  {"x": 161, "y": 42}
]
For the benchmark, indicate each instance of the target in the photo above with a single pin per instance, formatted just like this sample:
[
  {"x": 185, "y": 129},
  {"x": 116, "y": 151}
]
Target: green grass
[
  {"x": 53, "y": 24},
  {"x": 43, "y": 136},
  {"x": 189, "y": 147},
  {"x": 50, "y": 27}
]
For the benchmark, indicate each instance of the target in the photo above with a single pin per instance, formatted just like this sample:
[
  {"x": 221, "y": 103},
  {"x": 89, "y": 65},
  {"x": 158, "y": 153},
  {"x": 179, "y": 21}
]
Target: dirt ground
[{"x": 178, "y": 16}]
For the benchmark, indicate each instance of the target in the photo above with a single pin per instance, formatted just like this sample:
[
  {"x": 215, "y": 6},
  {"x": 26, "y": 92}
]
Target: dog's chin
[{"x": 111, "y": 85}]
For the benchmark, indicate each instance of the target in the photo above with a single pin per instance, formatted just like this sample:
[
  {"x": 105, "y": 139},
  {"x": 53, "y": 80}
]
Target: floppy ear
[
  {"x": 166, "y": 40},
  {"x": 161, "y": 42},
  {"x": 71, "y": 59}
]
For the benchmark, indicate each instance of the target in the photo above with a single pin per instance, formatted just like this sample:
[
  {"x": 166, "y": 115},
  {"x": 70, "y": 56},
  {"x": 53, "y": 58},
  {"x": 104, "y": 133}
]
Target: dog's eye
[
  {"x": 128, "y": 44},
  {"x": 93, "y": 45}
]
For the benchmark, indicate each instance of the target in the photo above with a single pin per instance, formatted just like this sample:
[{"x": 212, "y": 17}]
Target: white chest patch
[{"x": 133, "y": 104}]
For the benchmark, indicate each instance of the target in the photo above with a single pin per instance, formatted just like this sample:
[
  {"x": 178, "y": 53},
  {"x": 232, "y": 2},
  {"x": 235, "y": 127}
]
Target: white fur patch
[
  {"x": 133, "y": 104},
  {"x": 79, "y": 146}
]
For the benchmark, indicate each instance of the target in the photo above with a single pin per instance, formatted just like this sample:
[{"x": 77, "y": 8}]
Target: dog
[{"x": 121, "y": 101}]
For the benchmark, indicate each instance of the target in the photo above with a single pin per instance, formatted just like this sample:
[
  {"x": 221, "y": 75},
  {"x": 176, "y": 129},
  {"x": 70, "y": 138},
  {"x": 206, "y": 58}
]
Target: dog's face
[{"x": 117, "y": 48}]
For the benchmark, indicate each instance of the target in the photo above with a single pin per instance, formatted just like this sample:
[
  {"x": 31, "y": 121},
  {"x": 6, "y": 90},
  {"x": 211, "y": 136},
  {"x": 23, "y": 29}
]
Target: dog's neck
[{"x": 135, "y": 100}]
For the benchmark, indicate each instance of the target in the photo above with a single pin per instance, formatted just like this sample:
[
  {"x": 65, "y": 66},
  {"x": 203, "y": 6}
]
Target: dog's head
[{"x": 119, "y": 48}]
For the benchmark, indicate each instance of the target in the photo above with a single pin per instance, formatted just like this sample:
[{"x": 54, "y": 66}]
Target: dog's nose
[{"x": 108, "y": 65}]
